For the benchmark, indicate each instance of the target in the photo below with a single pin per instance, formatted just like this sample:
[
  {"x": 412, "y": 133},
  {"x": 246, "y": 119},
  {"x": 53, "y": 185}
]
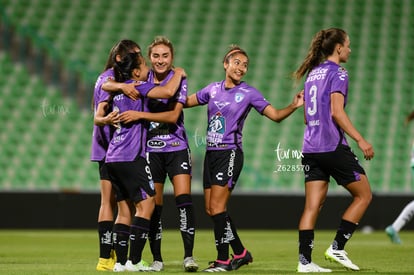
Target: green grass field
[{"x": 274, "y": 252}]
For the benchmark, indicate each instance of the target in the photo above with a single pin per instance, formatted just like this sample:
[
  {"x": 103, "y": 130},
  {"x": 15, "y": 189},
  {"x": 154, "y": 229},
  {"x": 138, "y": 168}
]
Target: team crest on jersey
[
  {"x": 221, "y": 104},
  {"x": 238, "y": 97}
]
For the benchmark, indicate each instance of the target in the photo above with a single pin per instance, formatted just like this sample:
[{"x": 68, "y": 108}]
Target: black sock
[
  {"x": 121, "y": 242},
  {"x": 306, "y": 238},
  {"x": 138, "y": 238},
  {"x": 344, "y": 233},
  {"x": 235, "y": 242},
  {"x": 155, "y": 234},
  {"x": 105, "y": 238},
  {"x": 221, "y": 228},
  {"x": 187, "y": 224}
]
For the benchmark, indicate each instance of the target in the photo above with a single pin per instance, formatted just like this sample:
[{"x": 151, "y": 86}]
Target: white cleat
[
  {"x": 118, "y": 267},
  {"x": 157, "y": 266},
  {"x": 190, "y": 265},
  {"x": 340, "y": 256},
  {"x": 311, "y": 268},
  {"x": 141, "y": 266}
]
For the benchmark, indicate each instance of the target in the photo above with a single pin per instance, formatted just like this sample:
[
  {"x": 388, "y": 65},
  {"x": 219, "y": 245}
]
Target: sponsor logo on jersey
[
  {"x": 216, "y": 129},
  {"x": 156, "y": 144},
  {"x": 221, "y": 104},
  {"x": 214, "y": 92},
  {"x": 217, "y": 124},
  {"x": 153, "y": 125},
  {"x": 184, "y": 165},
  {"x": 342, "y": 73}
]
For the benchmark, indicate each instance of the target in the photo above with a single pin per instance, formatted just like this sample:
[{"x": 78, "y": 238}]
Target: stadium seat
[{"x": 81, "y": 33}]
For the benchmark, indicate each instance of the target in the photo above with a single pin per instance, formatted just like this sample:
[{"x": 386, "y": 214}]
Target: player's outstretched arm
[{"x": 278, "y": 115}]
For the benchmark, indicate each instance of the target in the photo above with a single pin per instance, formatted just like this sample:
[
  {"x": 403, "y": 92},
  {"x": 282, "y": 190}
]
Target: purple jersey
[
  {"x": 322, "y": 133},
  {"x": 101, "y": 135},
  {"x": 227, "y": 111},
  {"x": 128, "y": 141},
  {"x": 167, "y": 137}
]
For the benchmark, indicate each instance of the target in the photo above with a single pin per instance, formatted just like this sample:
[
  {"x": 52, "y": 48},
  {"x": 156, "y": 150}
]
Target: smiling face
[
  {"x": 161, "y": 59},
  {"x": 236, "y": 68}
]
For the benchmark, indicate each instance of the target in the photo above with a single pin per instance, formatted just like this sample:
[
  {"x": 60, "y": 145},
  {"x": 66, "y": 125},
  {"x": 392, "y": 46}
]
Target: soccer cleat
[
  {"x": 157, "y": 266},
  {"x": 393, "y": 234},
  {"x": 340, "y": 256},
  {"x": 105, "y": 264},
  {"x": 190, "y": 265},
  {"x": 218, "y": 267},
  {"x": 243, "y": 259},
  {"x": 140, "y": 266},
  {"x": 118, "y": 267},
  {"x": 311, "y": 268}
]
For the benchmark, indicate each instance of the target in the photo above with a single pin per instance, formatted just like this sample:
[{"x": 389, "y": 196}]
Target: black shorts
[
  {"x": 171, "y": 163},
  {"x": 342, "y": 164},
  {"x": 131, "y": 180},
  {"x": 103, "y": 171},
  {"x": 222, "y": 167}
]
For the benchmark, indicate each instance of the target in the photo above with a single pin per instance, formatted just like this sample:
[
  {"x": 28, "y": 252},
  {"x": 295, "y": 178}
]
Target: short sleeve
[
  {"x": 258, "y": 101},
  {"x": 340, "y": 81},
  {"x": 181, "y": 96},
  {"x": 203, "y": 95}
]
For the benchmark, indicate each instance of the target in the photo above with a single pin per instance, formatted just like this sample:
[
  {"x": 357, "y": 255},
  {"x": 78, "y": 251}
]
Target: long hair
[
  {"x": 322, "y": 45},
  {"x": 123, "y": 69},
  {"x": 121, "y": 48}
]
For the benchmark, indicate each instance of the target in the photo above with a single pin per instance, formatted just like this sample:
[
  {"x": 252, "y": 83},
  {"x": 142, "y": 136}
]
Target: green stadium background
[{"x": 51, "y": 53}]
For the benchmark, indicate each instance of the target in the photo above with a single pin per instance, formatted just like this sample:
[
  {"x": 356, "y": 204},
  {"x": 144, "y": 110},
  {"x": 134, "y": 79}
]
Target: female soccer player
[
  {"x": 325, "y": 148},
  {"x": 229, "y": 102},
  {"x": 127, "y": 165},
  {"x": 102, "y": 134},
  {"x": 169, "y": 154},
  {"x": 407, "y": 213}
]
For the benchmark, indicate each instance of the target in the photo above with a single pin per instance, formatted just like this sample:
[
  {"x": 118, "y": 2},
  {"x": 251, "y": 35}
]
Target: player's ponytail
[{"x": 322, "y": 45}]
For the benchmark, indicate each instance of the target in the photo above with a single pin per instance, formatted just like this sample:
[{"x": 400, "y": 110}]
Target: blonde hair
[{"x": 161, "y": 40}]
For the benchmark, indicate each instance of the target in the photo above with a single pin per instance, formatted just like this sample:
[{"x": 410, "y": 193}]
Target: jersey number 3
[{"x": 313, "y": 108}]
